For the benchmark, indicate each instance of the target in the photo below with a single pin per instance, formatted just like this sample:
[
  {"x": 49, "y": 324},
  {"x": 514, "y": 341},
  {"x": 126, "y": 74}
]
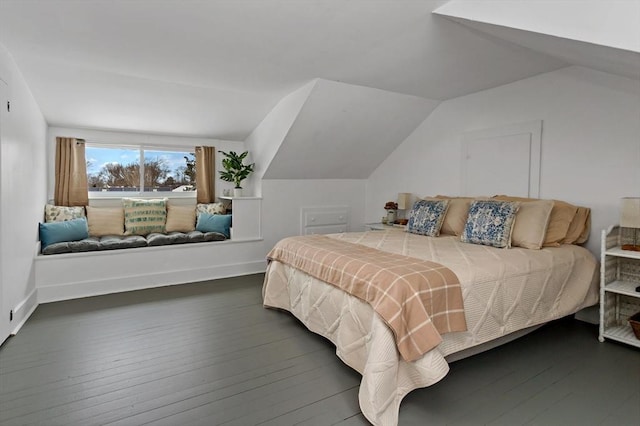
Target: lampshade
[
  {"x": 404, "y": 201},
  {"x": 630, "y": 212}
]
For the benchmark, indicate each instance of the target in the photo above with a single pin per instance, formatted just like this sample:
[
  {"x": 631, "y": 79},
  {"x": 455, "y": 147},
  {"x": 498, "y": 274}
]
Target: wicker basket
[{"x": 634, "y": 320}]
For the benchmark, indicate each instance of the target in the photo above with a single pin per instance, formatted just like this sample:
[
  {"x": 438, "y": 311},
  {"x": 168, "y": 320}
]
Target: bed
[{"x": 504, "y": 292}]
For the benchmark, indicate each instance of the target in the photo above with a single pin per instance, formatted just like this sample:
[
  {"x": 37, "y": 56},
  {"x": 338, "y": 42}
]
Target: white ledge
[{"x": 74, "y": 275}]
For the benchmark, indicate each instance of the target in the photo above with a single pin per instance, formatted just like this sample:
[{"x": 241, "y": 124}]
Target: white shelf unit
[
  {"x": 619, "y": 277},
  {"x": 247, "y": 217}
]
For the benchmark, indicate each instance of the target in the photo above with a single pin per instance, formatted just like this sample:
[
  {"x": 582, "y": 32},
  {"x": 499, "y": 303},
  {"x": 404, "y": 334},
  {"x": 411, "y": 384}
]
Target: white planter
[
  {"x": 391, "y": 216},
  {"x": 237, "y": 192}
]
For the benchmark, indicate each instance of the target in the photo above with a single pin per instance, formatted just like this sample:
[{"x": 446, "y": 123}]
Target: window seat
[
  {"x": 102, "y": 265},
  {"x": 83, "y": 274},
  {"x": 116, "y": 242}
]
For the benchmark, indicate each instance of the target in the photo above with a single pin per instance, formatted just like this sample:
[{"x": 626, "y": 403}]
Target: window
[{"x": 112, "y": 170}]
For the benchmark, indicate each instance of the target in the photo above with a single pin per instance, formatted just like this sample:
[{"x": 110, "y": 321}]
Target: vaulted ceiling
[{"x": 215, "y": 68}]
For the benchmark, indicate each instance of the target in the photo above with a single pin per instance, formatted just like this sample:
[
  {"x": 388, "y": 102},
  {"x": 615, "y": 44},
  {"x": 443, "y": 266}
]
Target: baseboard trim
[
  {"x": 24, "y": 309},
  {"x": 76, "y": 290}
]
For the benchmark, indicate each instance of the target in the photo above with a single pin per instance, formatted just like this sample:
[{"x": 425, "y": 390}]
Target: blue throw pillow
[
  {"x": 426, "y": 217},
  {"x": 219, "y": 223},
  {"x": 58, "y": 232},
  {"x": 490, "y": 223}
]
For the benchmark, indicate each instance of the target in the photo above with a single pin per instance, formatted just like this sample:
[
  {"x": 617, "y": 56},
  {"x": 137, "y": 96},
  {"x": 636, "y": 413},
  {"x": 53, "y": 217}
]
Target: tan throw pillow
[
  {"x": 576, "y": 226},
  {"x": 586, "y": 230},
  {"x": 181, "y": 218},
  {"x": 142, "y": 216},
  {"x": 561, "y": 217},
  {"x": 531, "y": 224},
  {"x": 456, "y": 216},
  {"x": 105, "y": 221}
]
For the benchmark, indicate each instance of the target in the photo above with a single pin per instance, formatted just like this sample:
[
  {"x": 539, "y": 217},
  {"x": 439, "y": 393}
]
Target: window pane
[
  {"x": 113, "y": 169},
  {"x": 169, "y": 171}
]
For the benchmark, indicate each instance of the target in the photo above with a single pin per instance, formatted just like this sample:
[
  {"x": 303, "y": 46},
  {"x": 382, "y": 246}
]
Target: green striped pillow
[{"x": 142, "y": 217}]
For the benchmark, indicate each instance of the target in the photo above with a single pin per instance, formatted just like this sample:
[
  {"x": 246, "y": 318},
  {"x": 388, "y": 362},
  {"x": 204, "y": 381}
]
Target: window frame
[{"x": 110, "y": 195}]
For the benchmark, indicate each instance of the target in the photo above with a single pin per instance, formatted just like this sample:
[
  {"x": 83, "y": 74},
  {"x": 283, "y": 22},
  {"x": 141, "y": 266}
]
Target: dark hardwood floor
[{"x": 209, "y": 354}]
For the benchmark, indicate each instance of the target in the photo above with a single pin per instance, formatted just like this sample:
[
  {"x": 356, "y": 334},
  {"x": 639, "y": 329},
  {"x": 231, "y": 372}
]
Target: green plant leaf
[{"x": 235, "y": 171}]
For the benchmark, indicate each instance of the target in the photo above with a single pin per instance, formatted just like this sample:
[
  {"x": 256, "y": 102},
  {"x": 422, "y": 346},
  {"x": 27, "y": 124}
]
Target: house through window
[{"x": 139, "y": 169}]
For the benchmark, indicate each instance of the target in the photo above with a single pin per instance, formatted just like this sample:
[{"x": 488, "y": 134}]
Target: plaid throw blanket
[{"x": 418, "y": 299}]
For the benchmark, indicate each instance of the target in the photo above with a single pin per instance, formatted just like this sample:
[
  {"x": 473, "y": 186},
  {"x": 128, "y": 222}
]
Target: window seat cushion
[
  {"x": 115, "y": 242},
  {"x": 157, "y": 239}
]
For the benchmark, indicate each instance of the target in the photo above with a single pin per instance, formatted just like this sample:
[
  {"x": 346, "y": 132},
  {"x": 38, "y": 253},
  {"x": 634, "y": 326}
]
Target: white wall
[
  {"x": 265, "y": 139},
  {"x": 123, "y": 138},
  {"x": 283, "y": 200},
  {"x": 344, "y": 131},
  {"x": 590, "y": 142},
  {"x": 23, "y": 191}
]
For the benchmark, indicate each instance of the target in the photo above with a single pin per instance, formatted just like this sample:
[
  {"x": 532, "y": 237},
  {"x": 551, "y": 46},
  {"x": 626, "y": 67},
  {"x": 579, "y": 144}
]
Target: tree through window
[{"x": 126, "y": 169}]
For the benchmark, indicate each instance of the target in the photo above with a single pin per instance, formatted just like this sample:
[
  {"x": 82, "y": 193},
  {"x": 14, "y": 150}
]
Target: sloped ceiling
[
  {"x": 215, "y": 68},
  {"x": 604, "y": 35},
  {"x": 364, "y": 73},
  {"x": 345, "y": 131}
]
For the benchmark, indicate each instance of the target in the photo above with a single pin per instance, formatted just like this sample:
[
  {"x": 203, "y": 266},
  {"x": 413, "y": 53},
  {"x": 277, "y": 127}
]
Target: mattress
[{"x": 504, "y": 291}]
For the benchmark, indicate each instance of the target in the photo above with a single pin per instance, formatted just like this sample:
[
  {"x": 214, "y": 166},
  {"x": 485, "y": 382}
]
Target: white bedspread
[{"x": 504, "y": 290}]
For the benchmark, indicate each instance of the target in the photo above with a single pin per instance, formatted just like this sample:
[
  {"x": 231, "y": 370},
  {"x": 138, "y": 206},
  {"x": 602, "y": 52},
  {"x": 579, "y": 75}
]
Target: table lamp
[
  {"x": 630, "y": 218},
  {"x": 404, "y": 202}
]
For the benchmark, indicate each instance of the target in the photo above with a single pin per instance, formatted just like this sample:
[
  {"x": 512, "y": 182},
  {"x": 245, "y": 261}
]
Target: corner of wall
[
  {"x": 23, "y": 311},
  {"x": 265, "y": 139},
  {"x": 23, "y": 160}
]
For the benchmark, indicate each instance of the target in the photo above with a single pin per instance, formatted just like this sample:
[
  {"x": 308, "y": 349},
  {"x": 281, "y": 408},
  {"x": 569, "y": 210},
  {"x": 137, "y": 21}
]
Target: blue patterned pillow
[
  {"x": 490, "y": 223},
  {"x": 426, "y": 217}
]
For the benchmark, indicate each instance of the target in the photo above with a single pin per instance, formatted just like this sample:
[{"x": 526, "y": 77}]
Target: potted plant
[{"x": 235, "y": 170}]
